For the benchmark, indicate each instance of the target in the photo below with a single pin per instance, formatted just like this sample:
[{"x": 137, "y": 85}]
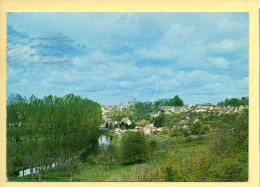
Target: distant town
[{"x": 148, "y": 127}]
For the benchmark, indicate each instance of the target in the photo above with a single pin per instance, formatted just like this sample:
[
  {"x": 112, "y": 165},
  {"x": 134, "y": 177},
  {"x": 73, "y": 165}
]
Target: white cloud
[
  {"x": 229, "y": 45},
  {"x": 220, "y": 62},
  {"x": 140, "y": 55}
]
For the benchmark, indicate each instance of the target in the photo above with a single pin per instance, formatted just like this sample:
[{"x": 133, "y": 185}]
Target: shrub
[
  {"x": 108, "y": 154},
  {"x": 173, "y": 133},
  {"x": 164, "y": 132},
  {"x": 189, "y": 140},
  {"x": 134, "y": 148},
  {"x": 200, "y": 137},
  {"x": 186, "y": 133},
  {"x": 196, "y": 128}
]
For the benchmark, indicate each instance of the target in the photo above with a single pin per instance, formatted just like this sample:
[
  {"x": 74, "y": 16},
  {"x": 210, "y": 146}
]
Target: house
[
  {"x": 183, "y": 122},
  {"x": 200, "y": 109},
  {"x": 241, "y": 107},
  {"x": 138, "y": 127},
  {"x": 126, "y": 120},
  {"x": 156, "y": 115},
  {"x": 206, "y": 105},
  {"x": 177, "y": 109},
  {"x": 166, "y": 111},
  {"x": 149, "y": 128},
  {"x": 196, "y": 120}
]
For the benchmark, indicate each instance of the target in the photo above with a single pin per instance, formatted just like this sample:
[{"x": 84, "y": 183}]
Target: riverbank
[
  {"x": 106, "y": 132},
  {"x": 190, "y": 157}
]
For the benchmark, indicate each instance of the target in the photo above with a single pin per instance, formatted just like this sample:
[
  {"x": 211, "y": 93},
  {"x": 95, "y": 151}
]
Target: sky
[{"x": 112, "y": 58}]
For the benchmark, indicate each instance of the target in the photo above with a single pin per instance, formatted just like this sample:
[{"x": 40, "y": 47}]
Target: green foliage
[
  {"x": 232, "y": 136},
  {"x": 132, "y": 125},
  {"x": 234, "y": 102},
  {"x": 108, "y": 153},
  {"x": 164, "y": 132},
  {"x": 143, "y": 122},
  {"x": 153, "y": 145},
  {"x": 217, "y": 150},
  {"x": 134, "y": 148},
  {"x": 161, "y": 102},
  {"x": 196, "y": 128},
  {"x": 168, "y": 145},
  {"x": 69, "y": 167},
  {"x": 175, "y": 101},
  {"x": 117, "y": 115},
  {"x": 158, "y": 121},
  {"x": 41, "y": 131},
  {"x": 189, "y": 139},
  {"x": 174, "y": 133},
  {"x": 142, "y": 110}
]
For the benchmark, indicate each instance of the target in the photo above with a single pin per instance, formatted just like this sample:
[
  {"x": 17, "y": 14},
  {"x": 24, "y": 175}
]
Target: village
[{"x": 149, "y": 128}]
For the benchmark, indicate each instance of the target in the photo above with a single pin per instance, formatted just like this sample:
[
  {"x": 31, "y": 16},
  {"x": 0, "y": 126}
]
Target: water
[{"x": 103, "y": 139}]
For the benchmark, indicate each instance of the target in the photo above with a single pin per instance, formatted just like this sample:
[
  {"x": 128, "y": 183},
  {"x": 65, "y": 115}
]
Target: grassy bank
[{"x": 188, "y": 159}]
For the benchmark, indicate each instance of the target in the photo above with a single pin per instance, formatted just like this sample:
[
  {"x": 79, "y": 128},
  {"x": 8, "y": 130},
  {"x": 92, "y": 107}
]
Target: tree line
[
  {"x": 50, "y": 130},
  {"x": 234, "y": 102}
]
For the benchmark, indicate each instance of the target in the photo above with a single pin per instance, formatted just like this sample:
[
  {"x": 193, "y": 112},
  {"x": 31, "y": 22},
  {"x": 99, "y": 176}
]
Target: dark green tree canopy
[
  {"x": 40, "y": 131},
  {"x": 234, "y": 102},
  {"x": 134, "y": 148},
  {"x": 176, "y": 101}
]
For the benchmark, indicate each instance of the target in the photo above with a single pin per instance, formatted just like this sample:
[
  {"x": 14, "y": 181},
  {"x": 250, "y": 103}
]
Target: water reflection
[{"x": 103, "y": 139}]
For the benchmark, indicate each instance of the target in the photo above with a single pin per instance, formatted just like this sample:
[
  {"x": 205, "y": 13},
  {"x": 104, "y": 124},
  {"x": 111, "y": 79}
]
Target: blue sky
[{"x": 112, "y": 57}]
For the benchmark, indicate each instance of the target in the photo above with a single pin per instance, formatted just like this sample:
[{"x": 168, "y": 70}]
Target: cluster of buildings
[
  {"x": 149, "y": 128},
  {"x": 108, "y": 108},
  {"x": 205, "y": 107}
]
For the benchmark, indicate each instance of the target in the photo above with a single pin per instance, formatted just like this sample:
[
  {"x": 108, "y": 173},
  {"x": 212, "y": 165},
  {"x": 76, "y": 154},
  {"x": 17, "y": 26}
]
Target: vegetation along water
[{"x": 76, "y": 139}]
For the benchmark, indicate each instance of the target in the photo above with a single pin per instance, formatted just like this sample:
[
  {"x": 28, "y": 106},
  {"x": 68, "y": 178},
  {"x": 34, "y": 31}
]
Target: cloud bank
[{"x": 112, "y": 57}]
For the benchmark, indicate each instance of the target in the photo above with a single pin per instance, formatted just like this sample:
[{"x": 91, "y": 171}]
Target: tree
[
  {"x": 132, "y": 125},
  {"x": 108, "y": 154},
  {"x": 40, "y": 131},
  {"x": 152, "y": 146},
  {"x": 70, "y": 167},
  {"x": 196, "y": 128},
  {"x": 158, "y": 121},
  {"x": 234, "y": 102},
  {"x": 176, "y": 101},
  {"x": 167, "y": 145},
  {"x": 117, "y": 115},
  {"x": 143, "y": 122},
  {"x": 134, "y": 148}
]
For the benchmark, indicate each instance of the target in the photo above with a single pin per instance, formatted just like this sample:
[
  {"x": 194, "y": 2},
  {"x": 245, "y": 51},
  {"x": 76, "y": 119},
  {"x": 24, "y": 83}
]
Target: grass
[
  {"x": 188, "y": 160},
  {"x": 118, "y": 171}
]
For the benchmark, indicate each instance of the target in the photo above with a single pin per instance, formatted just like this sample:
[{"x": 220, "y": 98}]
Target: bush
[
  {"x": 189, "y": 140},
  {"x": 168, "y": 145},
  {"x": 173, "y": 133},
  {"x": 134, "y": 148},
  {"x": 108, "y": 154},
  {"x": 92, "y": 159},
  {"x": 196, "y": 128},
  {"x": 200, "y": 137},
  {"x": 221, "y": 142},
  {"x": 164, "y": 132},
  {"x": 186, "y": 133}
]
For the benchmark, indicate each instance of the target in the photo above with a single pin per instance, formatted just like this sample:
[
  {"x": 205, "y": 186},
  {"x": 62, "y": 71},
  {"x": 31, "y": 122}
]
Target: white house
[{"x": 126, "y": 120}]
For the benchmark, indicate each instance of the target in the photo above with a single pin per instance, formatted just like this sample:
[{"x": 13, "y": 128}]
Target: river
[{"x": 103, "y": 139}]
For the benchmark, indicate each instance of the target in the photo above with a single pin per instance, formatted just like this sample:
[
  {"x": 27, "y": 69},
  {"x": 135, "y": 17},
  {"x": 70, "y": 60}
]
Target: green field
[{"x": 187, "y": 160}]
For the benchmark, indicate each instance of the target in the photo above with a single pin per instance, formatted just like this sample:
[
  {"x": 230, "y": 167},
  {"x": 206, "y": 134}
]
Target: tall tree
[{"x": 176, "y": 101}]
